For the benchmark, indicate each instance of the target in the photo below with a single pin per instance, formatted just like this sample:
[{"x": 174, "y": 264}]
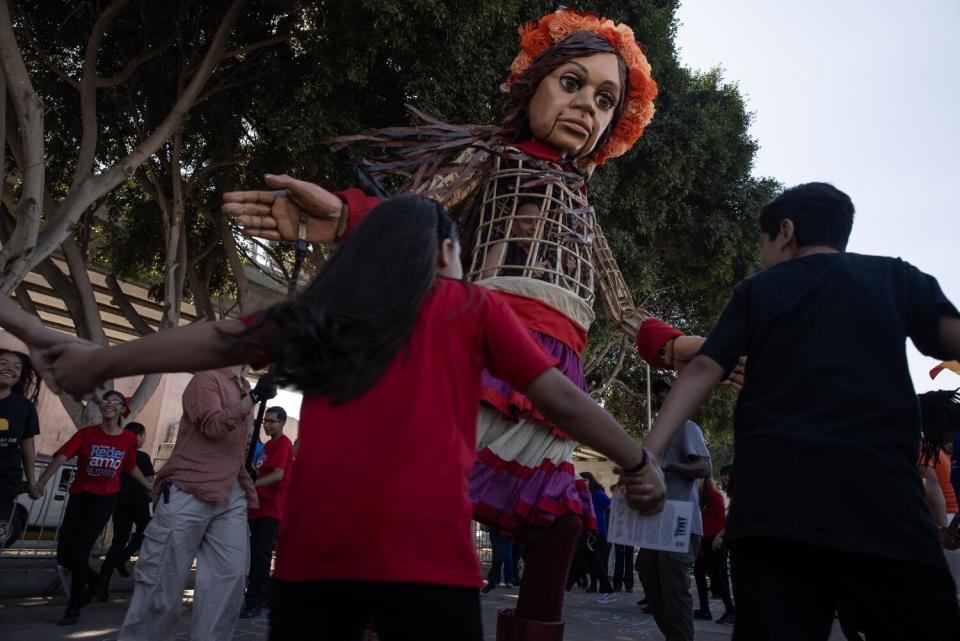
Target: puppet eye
[{"x": 569, "y": 82}]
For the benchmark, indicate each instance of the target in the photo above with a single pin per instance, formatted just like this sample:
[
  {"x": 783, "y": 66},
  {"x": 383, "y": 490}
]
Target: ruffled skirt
[{"x": 524, "y": 474}]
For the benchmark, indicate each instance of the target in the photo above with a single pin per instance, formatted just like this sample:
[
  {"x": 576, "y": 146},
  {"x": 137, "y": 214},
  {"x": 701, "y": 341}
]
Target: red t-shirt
[
  {"x": 715, "y": 517},
  {"x": 101, "y": 458},
  {"x": 277, "y": 453},
  {"x": 379, "y": 491}
]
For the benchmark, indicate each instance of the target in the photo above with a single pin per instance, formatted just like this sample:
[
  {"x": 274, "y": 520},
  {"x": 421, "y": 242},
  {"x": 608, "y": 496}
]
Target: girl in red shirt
[
  {"x": 103, "y": 452},
  {"x": 388, "y": 346}
]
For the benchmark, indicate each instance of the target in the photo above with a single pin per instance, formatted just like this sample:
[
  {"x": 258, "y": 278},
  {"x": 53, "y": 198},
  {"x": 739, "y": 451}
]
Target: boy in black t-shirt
[{"x": 829, "y": 503}]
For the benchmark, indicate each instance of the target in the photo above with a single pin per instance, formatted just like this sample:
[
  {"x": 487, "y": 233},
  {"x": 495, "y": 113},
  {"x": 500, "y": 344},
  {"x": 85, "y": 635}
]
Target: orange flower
[{"x": 538, "y": 36}]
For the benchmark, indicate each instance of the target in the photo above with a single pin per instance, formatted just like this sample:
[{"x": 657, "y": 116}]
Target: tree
[
  {"x": 121, "y": 83},
  {"x": 678, "y": 210}
]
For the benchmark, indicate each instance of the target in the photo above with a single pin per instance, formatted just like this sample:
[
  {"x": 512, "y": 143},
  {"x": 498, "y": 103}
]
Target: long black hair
[
  {"x": 592, "y": 483},
  {"x": 338, "y": 336},
  {"x": 516, "y": 123},
  {"x": 28, "y": 385},
  {"x": 940, "y": 412}
]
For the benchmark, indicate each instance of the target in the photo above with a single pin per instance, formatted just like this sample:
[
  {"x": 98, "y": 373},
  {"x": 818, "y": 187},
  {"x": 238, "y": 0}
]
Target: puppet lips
[{"x": 577, "y": 125}]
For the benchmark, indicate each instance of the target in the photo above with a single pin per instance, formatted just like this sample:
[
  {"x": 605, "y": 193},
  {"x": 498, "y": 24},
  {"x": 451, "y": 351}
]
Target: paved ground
[{"x": 35, "y": 619}]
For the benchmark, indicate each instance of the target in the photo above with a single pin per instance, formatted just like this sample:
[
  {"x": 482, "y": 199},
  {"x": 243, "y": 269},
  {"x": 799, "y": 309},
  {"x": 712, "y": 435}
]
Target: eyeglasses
[{"x": 116, "y": 402}]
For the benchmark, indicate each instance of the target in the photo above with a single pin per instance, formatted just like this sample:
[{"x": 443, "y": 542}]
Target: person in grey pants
[
  {"x": 665, "y": 576},
  {"x": 202, "y": 495}
]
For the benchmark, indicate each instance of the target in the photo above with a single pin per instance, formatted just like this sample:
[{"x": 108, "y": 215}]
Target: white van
[{"x": 39, "y": 520}]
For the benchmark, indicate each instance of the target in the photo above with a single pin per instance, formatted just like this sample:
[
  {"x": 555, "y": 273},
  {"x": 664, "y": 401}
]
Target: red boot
[{"x": 510, "y": 627}]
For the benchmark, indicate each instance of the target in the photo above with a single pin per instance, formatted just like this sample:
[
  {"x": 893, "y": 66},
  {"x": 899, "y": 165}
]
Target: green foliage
[{"x": 679, "y": 210}]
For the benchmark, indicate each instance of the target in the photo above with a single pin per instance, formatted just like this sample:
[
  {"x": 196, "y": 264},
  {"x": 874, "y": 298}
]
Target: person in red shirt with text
[
  {"x": 388, "y": 345},
  {"x": 274, "y": 467},
  {"x": 103, "y": 452}
]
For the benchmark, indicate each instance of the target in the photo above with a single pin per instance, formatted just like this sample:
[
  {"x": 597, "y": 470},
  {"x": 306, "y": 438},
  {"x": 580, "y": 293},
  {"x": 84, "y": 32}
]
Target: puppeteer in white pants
[{"x": 202, "y": 496}]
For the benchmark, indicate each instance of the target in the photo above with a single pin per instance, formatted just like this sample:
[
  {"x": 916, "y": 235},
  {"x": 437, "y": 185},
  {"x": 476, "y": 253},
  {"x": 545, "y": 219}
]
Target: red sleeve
[
  {"x": 130, "y": 459},
  {"x": 651, "y": 337},
  {"x": 510, "y": 352},
  {"x": 359, "y": 205},
  {"x": 72, "y": 447}
]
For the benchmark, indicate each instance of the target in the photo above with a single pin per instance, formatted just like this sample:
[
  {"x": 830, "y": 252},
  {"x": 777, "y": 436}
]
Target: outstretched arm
[
  {"x": 31, "y": 331},
  {"x": 582, "y": 418},
  {"x": 80, "y": 370}
]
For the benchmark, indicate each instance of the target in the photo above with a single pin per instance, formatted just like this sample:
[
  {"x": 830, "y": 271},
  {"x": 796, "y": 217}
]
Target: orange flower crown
[{"x": 538, "y": 36}]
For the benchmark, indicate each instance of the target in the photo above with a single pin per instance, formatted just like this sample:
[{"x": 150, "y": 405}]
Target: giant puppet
[{"x": 579, "y": 93}]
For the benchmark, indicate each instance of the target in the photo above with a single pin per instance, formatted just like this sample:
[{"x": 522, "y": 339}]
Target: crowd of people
[
  {"x": 461, "y": 395},
  {"x": 207, "y": 507}
]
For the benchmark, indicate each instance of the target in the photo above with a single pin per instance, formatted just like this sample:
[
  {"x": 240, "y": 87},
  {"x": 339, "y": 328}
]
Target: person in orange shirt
[{"x": 941, "y": 422}]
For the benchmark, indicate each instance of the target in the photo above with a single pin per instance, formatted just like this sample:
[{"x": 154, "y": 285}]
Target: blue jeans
[{"x": 502, "y": 557}]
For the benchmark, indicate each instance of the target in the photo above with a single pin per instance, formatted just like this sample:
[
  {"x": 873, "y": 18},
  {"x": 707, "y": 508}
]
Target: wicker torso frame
[{"x": 534, "y": 224}]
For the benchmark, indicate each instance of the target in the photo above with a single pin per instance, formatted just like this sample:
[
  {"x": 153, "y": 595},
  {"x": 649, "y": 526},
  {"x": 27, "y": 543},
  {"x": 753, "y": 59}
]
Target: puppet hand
[
  {"x": 646, "y": 492},
  {"x": 275, "y": 215},
  {"x": 75, "y": 367}
]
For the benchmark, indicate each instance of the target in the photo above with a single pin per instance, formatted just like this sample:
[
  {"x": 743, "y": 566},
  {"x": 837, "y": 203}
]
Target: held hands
[
  {"x": 39, "y": 339},
  {"x": 35, "y": 492},
  {"x": 75, "y": 367},
  {"x": 275, "y": 215},
  {"x": 646, "y": 492}
]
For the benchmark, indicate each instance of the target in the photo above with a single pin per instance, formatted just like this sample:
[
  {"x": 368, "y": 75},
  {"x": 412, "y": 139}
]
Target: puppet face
[{"x": 575, "y": 103}]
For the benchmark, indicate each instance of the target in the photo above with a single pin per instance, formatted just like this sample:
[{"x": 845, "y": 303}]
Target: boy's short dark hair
[
  {"x": 279, "y": 411},
  {"x": 821, "y": 215},
  {"x": 726, "y": 469},
  {"x": 136, "y": 428}
]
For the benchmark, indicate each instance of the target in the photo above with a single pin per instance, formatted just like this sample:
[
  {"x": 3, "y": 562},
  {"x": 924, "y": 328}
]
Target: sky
[{"x": 861, "y": 94}]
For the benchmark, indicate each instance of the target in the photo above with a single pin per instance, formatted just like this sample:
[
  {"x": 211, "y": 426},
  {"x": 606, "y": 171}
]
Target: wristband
[{"x": 640, "y": 468}]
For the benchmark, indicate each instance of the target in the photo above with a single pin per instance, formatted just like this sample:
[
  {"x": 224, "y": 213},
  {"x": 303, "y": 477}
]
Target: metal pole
[{"x": 649, "y": 404}]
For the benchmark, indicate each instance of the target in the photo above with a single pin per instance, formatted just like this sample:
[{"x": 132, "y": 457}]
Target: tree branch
[
  {"x": 26, "y": 303},
  {"x": 29, "y": 112},
  {"x": 88, "y": 91},
  {"x": 120, "y": 299},
  {"x": 48, "y": 63},
  {"x": 94, "y": 187},
  {"x": 132, "y": 65},
  {"x": 81, "y": 279}
]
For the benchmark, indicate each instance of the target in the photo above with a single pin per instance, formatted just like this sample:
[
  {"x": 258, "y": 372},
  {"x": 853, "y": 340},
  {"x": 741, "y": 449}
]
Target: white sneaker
[{"x": 605, "y": 599}]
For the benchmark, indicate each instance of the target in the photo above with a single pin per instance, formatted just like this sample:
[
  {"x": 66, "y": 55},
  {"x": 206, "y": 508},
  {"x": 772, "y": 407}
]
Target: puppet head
[{"x": 580, "y": 83}]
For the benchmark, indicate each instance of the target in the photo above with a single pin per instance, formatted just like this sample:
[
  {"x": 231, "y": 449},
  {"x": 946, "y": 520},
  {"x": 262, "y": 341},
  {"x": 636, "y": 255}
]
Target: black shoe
[
  {"x": 250, "y": 612},
  {"x": 488, "y": 588},
  {"x": 647, "y": 609},
  {"x": 122, "y": 570},
  {"x": 70, "y": 617},
  {"x": 702, "y": 615},
  {"x": 728, "y": 618},
  {"x": 642, "y": 601},
  {"x": 101, "y": 593},
  {"x": 592, "y": 590},
  {"x": 630, "y": 590}
]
